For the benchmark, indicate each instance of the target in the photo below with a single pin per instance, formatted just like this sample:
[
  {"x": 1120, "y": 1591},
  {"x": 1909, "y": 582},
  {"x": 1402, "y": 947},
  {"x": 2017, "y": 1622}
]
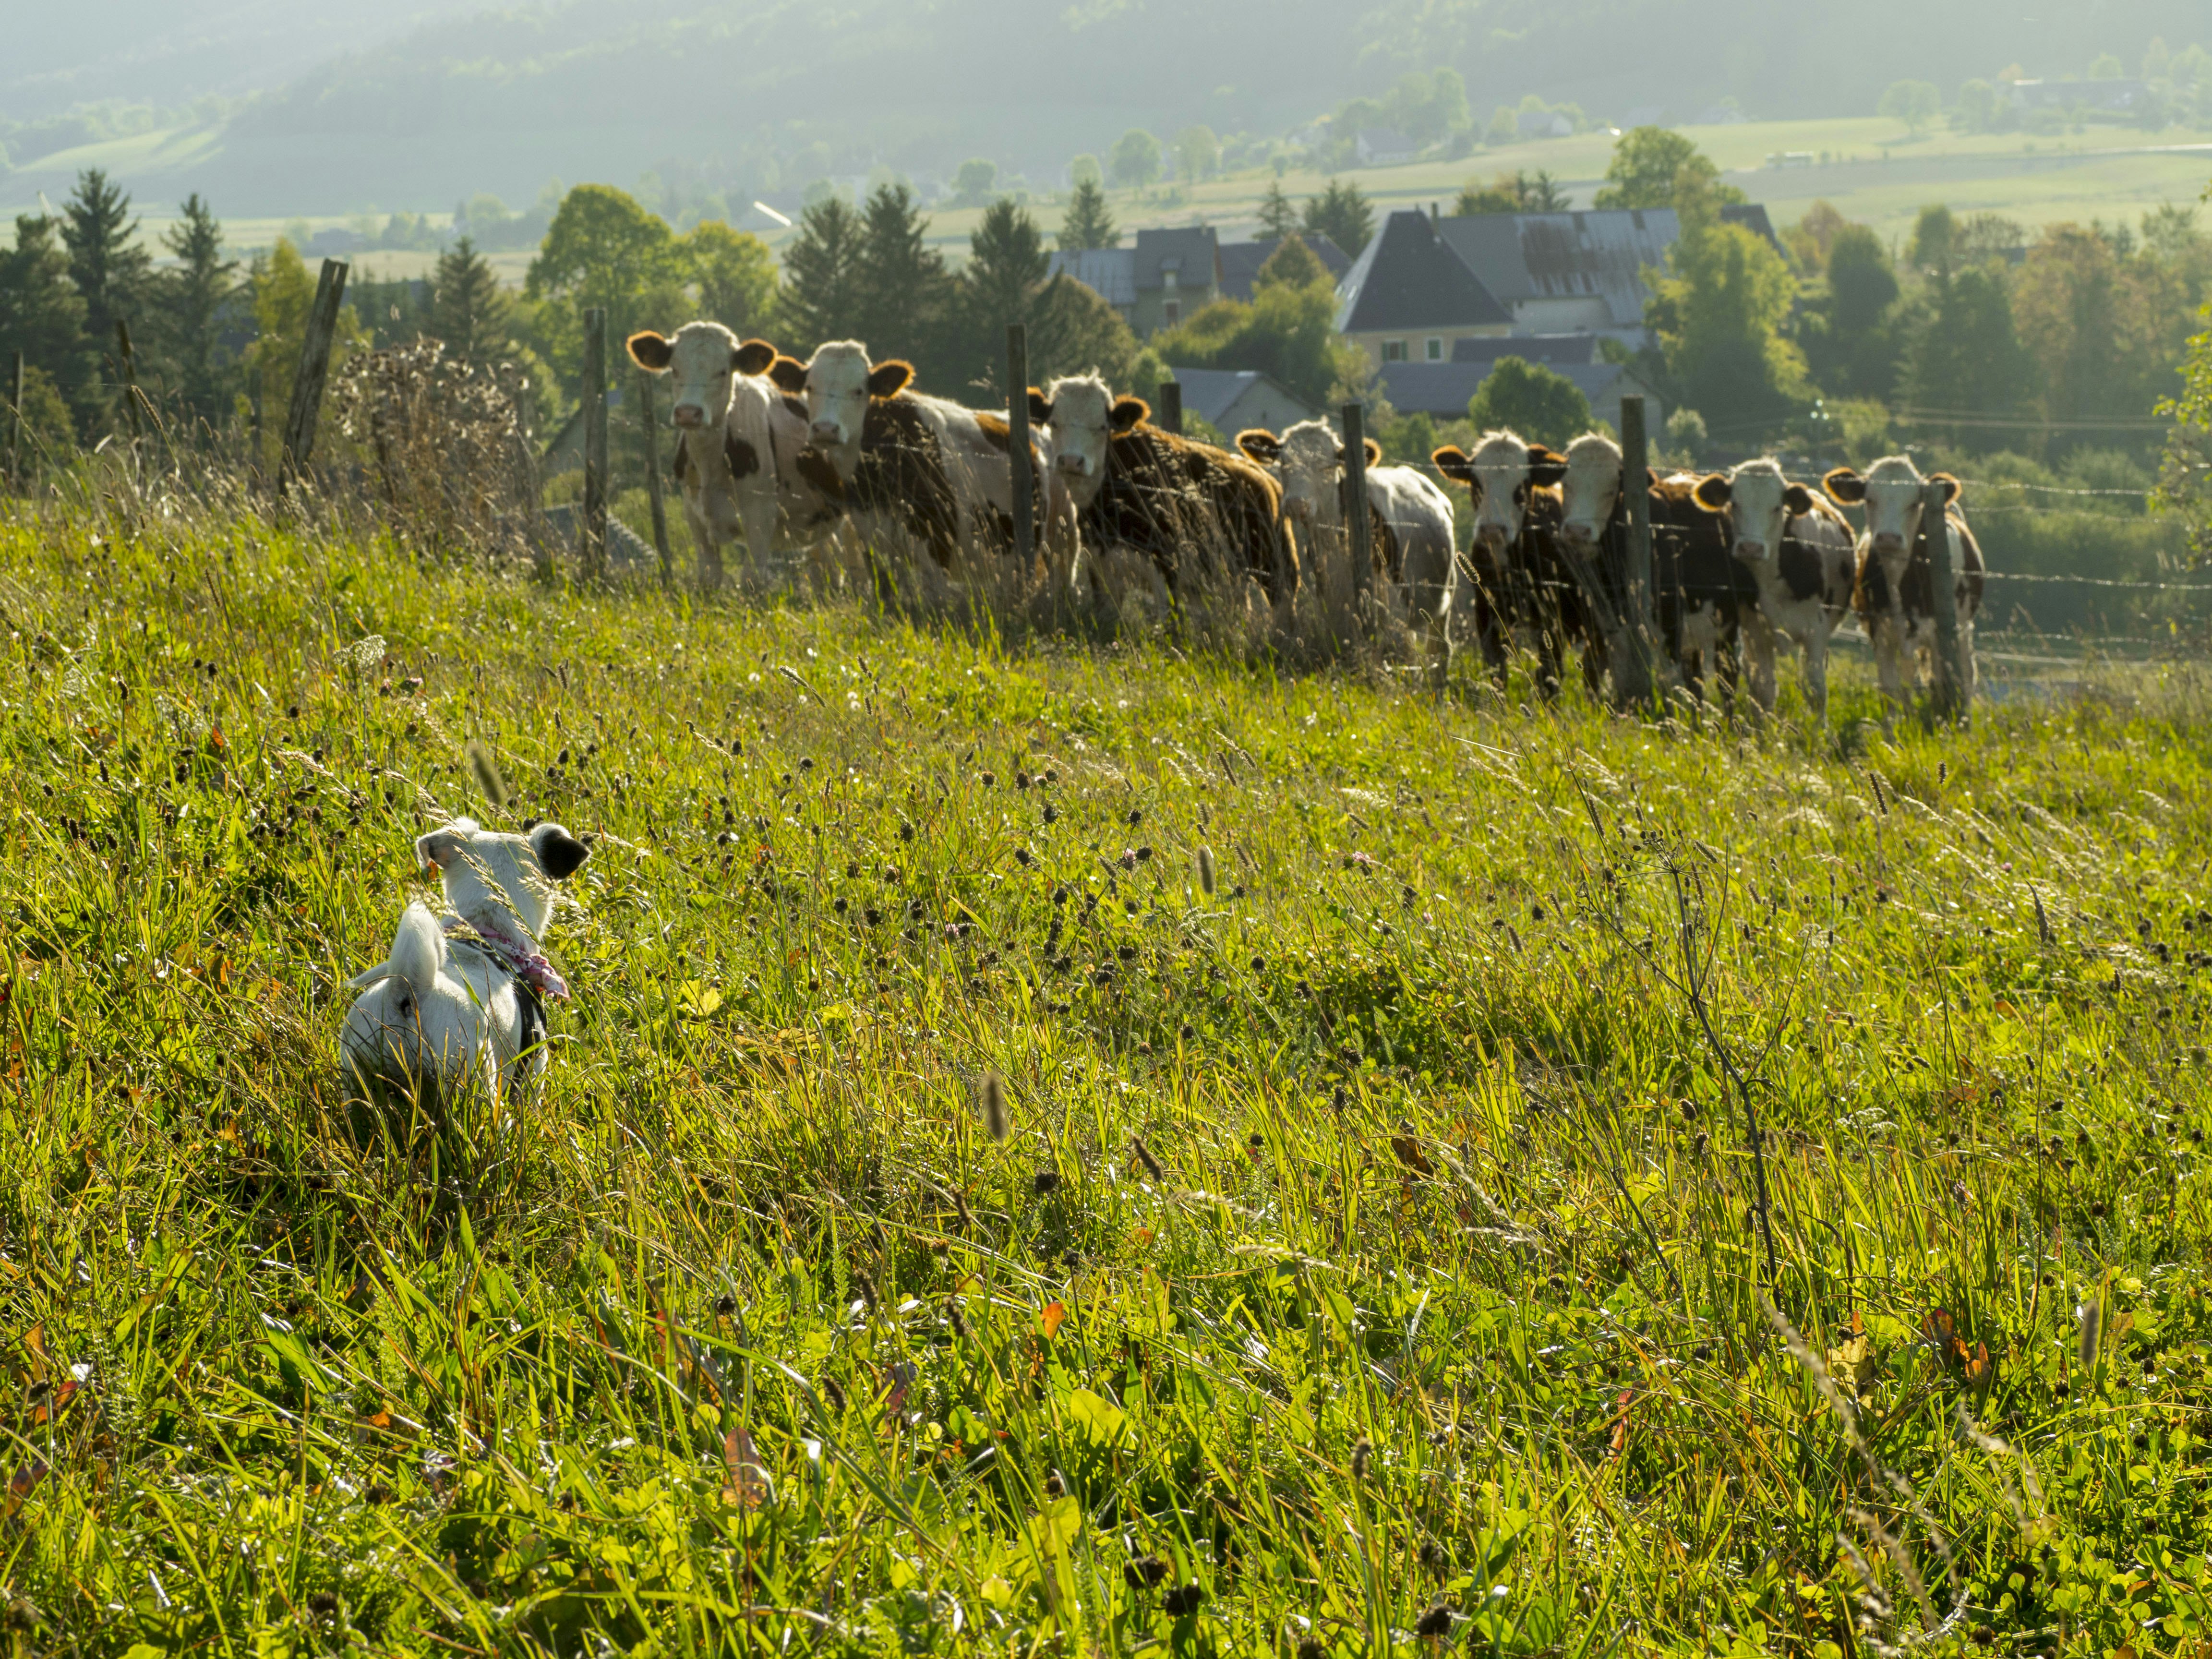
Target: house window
[
  {"x": 1172, "y": 312},
  {"x": 1436, "y": 348},
  {"x": 1393, "y": 351}
]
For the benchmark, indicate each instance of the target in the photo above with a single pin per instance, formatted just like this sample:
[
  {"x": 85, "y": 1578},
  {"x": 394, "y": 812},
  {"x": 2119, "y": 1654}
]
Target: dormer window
[{"x": 1167, "y": 279}]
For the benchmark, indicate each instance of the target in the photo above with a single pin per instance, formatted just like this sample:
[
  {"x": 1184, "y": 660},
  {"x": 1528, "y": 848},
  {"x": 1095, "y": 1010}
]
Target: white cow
[
  {"x": 1801, "y": 551},
  {"x": 737, "y": 462},
  {"x": 914, "y": 466},
  {"x": 1895, "y": 595},
  {"x": 1410, "y": 521}
]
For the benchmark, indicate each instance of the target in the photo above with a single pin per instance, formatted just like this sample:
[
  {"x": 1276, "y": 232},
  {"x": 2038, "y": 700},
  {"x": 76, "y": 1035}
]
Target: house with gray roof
[
  {"x": 1409, "y": 297},
  {"x": 1167, "y": 277},
  {"x": 1234, "y": 400},
  {"x": 1241, "y": 261}
]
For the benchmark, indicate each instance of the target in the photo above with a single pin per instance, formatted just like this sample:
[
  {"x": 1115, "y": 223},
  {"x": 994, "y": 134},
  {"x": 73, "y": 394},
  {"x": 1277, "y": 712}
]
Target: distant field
[{"x": 1870, "y": 171}]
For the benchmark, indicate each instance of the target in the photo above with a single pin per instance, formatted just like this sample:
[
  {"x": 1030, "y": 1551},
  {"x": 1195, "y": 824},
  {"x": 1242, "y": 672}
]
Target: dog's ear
[
  {"x": 441, "y": 847},
  {"x": 418, "y": 952},
  {"x": 559, "y": 853}
]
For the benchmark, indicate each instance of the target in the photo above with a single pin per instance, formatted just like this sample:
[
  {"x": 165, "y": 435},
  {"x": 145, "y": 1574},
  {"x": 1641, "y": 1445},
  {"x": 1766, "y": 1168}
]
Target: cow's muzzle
[
  {"x": 1075, "y": 466},
  {"x": 691, "y": 415},
  {"x": 1889, "y": 542},
  {"x": 828, "y": 432},
  {"x": 1754, "y": 551}
]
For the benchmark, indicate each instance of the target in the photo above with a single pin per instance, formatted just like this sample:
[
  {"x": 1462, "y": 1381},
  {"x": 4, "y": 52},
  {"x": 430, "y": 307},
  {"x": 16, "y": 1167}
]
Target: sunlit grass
[{"x": 751, "y": 1335}]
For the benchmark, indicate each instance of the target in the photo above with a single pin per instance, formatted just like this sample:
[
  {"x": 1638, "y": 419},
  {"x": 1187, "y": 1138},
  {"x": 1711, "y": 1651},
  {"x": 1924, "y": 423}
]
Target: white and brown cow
[
  {"x": 1410, "y": 524},
  {"x": 1800, "y": 551},
  {"x": 1186, "y": 510},
  {"x": 1895, "y": 594},
  {"x": 1521, "y": 589},
  {"x": 739, "y": 441},
  {"x": 909, "y": 465}
]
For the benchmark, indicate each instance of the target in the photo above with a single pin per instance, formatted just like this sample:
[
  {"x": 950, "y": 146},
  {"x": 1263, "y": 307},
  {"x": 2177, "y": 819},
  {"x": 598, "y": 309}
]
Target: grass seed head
[
  {"x": 992, "y": 1093},
  {"x": 1362, "y": 1452},
  {"x": 2091, "y": 1316},
  {"x": 1206, "y": 871},
  {"x": 488, "y": 780},
  {"x": 1144, "y": 1157}
]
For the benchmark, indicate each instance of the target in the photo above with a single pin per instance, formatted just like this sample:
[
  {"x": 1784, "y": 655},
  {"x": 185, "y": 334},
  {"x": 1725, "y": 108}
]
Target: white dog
[{"x": 462, "y": 997}]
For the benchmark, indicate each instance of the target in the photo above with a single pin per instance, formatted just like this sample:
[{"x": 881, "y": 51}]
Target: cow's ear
[
  {"x": 788, "y": 373},
  {"x": 1713, "y": 493},
  {"x": 1545, "y": 466},
  {"x": 1950, "y": 486},
  {"x": 889, "y": 380},
  {"x": 1797, "y": 501},
  {"x": 753, "y": 357},
  {"x": 1260, "y": 445},
  {"x": 1128, "y": 414},
  {"x": 559, "y": 853},
  {"x": 650, "y": 350},
  {"x": 1040, "y": 410},
  {"x": 1374, "y": 453},
  {"x": 1844, "y": 486},
  {"x": 1451, "y": 460}
]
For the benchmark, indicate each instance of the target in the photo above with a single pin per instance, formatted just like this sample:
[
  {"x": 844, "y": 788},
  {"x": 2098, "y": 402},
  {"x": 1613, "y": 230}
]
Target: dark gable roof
[
  {"x": 1599, "y": 253},
  {"x": 1556, "y": 350},
  {"x": 1241, "y": 262},
  {"x": 1408, "y": 278},
  {"x": 1193, "y": 252}
]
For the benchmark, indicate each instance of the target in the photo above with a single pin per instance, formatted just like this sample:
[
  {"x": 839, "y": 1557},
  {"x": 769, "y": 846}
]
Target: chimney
[{"x": 1432, "y": 213}]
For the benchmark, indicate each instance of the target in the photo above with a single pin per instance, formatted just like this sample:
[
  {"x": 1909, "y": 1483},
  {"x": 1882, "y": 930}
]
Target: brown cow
[{"x": 1896, "y": 592}]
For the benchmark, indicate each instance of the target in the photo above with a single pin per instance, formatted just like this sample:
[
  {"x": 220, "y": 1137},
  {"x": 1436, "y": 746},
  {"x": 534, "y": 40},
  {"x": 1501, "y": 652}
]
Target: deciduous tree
[
  {"x": 1534, "y": 401},
  {"x": 1342, "y": 214}
]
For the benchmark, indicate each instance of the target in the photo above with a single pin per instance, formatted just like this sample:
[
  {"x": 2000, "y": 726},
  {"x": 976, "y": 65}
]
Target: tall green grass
[{"x": 1374, "y": 1259}]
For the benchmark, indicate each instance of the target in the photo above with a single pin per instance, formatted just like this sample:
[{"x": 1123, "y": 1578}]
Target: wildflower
[{"x": 993, "y": 1093}]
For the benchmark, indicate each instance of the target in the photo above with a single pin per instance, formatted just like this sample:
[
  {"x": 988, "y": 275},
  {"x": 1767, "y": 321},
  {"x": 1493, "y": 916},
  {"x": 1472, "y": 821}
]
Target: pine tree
[
  {"x": 111, "y": 273},
  {"x": 1343, "y": 214},
  {"x": 467, "y": 310},
  {"x": 1006, "y": 261},
  {"x": 905, "y": 291},
  {"x": 1088, "y": 224},
  {"x": 190, "y": 301},
  {"x": 1278, "y": 217},
  {"x": 41, "y": 313},
  {"x": 822, "y": 276}
]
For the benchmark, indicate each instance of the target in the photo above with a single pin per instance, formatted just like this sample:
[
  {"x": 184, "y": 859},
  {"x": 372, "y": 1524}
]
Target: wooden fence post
[
  {"x": 129, "y": 362},
  {"x": 1358, "y": 531},
  {"x": 15, "y": 431},
  {"x": 592, "y": 542},
  {"x": 1948, "y": 693},
  {"x": 652, "y": 424},
  {"x": 313, "y": 372},
  {"x": 1169, "y": 416},
  {"x": 1017, "y": 443},
  {"x": 1637, "y": 678}
]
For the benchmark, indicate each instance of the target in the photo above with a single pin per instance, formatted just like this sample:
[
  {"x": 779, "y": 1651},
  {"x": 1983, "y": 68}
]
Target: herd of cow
[{"x": 774, "y": 451}]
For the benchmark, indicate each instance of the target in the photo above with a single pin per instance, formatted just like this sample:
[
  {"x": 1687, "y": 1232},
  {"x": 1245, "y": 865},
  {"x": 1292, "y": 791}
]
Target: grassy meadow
[{"x": 1473, "y": 1177}]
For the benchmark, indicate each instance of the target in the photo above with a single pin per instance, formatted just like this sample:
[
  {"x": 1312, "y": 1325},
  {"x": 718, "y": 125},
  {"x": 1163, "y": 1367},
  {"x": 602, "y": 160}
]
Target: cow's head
[
  {"x": 1762, "y": 502},
  {"x": 1890, "y": 491},
  {"x": 838, "y": 382},
  {"x": 1499, "y": 475},
  {"x": 1591, "y": 489},
  {"x": 1308, "y": 461},
  {"x": 701, "y": 360},
  {"x": 1075, "y": 418}
]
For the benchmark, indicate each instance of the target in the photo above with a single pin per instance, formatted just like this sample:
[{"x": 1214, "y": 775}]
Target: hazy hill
[{"x": 780, "y": 91}]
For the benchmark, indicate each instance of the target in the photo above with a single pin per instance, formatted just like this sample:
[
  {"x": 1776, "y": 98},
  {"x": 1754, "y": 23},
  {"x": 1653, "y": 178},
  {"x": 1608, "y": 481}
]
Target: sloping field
[{"x": 1468, "y": 1175}]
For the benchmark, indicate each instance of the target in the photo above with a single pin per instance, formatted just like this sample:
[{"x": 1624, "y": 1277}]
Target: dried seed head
[
  {"x": 1045, "y": 1181},
  {"x": 954, "y": 1319},
  {"x": 1179, "y": 1603},
  {"x": 1310, "y": 1648},
  {"x": 866, "y": 1286},
  {"x": 834, "y": 1394},
  {"x": 992, "y": 1098},
  {"x": 1206, "y": 871},
  {"x": 1436, "y": 1621},
  {"x": 1145, "y": 1571},
  {"x": 1361, "y": 1453},
  {"x": 486, "y": 775},
  {"x": 1144, "y": 1157}
]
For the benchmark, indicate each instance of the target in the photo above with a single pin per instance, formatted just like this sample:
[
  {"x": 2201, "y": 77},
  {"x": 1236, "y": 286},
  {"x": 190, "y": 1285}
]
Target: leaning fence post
[
  {"x": 1635, "y": 678},
  {"x": 1169, "y": 416},
  {"x": 1355, "y": 510},
  {"x": 1949, "y": 691},
  {"x": 593, "y": 545},
  {"x": 1017, "y": 443},
  {"x": 130, "y": 366},
  {"x": 15, "y": 431},
  {"x": 313, "y": 371},
  {"x": 652, "y": 424}
]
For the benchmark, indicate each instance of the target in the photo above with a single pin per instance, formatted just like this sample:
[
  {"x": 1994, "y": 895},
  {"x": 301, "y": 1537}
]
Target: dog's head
[
  {"x": 488, "y": 874},
  {"x": 414, "y": 1027}
]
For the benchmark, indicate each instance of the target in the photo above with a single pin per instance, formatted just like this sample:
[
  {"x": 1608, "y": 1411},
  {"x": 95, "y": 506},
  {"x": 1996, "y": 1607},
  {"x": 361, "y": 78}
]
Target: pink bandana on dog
[{"x": 518, "y": 956}]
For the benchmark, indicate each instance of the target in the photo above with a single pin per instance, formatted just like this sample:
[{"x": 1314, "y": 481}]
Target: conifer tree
[
  {"x": 1088, "y": 224},
  {"x": 190, "y": 301}
]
